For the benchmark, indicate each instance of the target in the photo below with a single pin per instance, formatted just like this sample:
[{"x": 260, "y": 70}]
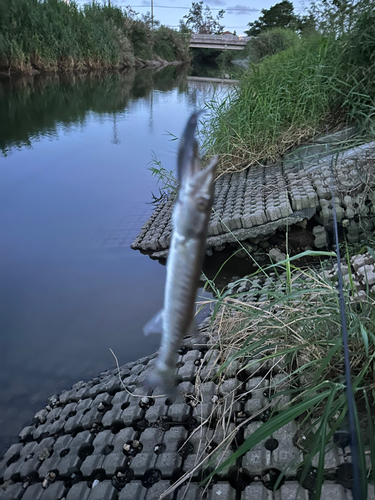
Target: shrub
[{"x": 270, "y": 42}]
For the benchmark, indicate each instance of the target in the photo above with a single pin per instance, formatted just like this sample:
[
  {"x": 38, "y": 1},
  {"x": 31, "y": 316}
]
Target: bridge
[{"x": 220, "y": 42}]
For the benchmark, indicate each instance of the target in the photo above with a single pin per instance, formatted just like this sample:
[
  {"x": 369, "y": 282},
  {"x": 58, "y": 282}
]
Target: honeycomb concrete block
[
  {"x": 203, "y": 411},
  {"x": 191, "y": 491},
  {"x": 82, "y": 438},
  {"x": 120, "y": 398},
  {"x": 258, "y": 458},
  {"x": 332, "y": 459},
  {"x": 91, "y": 463},
  {"x": 168, "y": 463},
  {"x": 170, "y": 459},
  {"x": 27, "y": 433},
  {"x": 33, "y": 492},
  {"x": 179, "y": 412},
  {"x": 192, "y": 355},
  {"x": 60, "y": 448},
  {"x": 321, "y": 237},
  {"x": 218, "y": 458},
  {"x": 95, "y": 390},
  {"x": 229, "y": 387},
  {"x": 91, "y": 418},
  {"x": 130, "y": 414},
  {"x": 122, "y": 437},
  {"x": 291, "y": 490},
  {"x": 12, "y": 452},
  {"x": 188, "y": 370},
  {"x": 210, "y": 367},
  {"x": 67, "y": 396},
  {"x": 84, "y": 392},
  {"x": 256, "y": 491},
  {"x": 286, "y": 457},
  {"x": 223, "y": 490},
  {"x": 158, "y": 489},
  {"x": 69, "y": 464},
  {"x": 150, "y": 438},
  {"x": 158, "y": 410},
  {"x": 332, "y": 491},
  {"x": 142, "y": 462},
  {"x": 103, "y": 490},
  {"x": 55, "y": 491},
  {"x": 133, "y": 491},
  {"x": 103, "y": 439},
  {"x": 79, "y": 491},
  {"x": 12, "y": 492}
]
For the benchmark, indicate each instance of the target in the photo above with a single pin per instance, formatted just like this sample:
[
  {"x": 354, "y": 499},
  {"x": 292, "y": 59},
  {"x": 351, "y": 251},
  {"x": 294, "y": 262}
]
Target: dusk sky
[{"x": 236, "y": 17}]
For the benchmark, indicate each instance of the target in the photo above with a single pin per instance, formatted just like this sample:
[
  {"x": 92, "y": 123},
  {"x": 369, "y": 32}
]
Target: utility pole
[{"x": 152, "y": 15}]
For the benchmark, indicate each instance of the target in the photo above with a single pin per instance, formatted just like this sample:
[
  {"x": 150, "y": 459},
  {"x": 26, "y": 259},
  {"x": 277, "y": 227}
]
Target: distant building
[{"x": 227, "y": 33}]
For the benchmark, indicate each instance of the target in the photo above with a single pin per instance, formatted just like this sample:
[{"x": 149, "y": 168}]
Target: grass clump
[
  {"x": 51, "y": 35},
  {"x": 287, "y": 331},
  {"x": 319, "y": 83},
  {"x": 270, "y": 42}
]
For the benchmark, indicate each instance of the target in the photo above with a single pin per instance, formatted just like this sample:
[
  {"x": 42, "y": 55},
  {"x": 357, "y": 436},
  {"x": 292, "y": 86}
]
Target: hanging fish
[{"x": 190, "y": 218}]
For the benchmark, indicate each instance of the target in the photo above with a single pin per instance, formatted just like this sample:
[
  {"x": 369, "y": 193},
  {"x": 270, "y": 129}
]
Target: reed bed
[
  {"x": 318, "y": 84},
  {"x": 51, "y": 35}
]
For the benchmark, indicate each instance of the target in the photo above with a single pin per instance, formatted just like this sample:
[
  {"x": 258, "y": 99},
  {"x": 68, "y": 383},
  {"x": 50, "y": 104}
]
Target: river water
[{"x": 74, "y": 192}]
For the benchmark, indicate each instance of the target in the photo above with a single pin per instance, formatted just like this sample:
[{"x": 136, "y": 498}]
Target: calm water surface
[{"x": 74, "y": 192}]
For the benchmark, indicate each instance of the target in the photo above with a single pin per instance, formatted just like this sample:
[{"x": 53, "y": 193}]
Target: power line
[{"x": 230, "y": 9}]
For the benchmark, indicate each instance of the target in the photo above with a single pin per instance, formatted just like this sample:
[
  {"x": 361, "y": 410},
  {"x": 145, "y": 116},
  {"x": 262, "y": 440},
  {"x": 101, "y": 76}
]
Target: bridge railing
[{"x": 195, "y": 37}]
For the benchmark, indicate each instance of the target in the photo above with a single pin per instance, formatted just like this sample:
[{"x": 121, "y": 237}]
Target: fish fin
[{"x": 155, "y": 325}]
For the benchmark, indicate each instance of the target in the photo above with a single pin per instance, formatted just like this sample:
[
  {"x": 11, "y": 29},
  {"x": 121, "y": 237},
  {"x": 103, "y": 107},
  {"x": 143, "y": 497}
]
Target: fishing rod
[{"x": 356, "y": 490}]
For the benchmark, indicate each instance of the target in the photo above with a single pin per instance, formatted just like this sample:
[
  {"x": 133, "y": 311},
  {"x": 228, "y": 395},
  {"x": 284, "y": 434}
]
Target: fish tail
[{"x": 165, "y": 378}]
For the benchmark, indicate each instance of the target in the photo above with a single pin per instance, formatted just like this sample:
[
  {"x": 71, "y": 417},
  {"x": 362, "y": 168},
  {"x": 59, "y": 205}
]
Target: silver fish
[{"x": 190, "y": 219}]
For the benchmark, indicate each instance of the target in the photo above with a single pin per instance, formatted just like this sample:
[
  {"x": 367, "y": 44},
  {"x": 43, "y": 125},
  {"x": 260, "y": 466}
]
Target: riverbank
[
  {"x": 58, "y": 36},
  {"x": 323, "y": 82},
  {"x": 108, "y": 437}
]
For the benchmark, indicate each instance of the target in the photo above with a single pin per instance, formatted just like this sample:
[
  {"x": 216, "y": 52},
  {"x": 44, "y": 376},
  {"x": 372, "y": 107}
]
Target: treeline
[{"x": 52, "y": 35}]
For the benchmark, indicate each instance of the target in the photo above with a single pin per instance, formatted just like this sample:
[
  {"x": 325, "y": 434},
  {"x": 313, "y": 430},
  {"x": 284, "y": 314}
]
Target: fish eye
[{"x": 202, "y": 203}]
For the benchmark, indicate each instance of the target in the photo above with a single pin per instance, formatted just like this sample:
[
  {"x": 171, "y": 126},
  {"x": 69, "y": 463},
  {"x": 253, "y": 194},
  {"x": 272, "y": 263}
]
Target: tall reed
[
  {"x": 51, "y": 34},
  {"x": 317, "y": 84}
]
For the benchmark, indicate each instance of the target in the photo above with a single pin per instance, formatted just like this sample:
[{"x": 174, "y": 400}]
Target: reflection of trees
[{"x": 34, "y": 106}]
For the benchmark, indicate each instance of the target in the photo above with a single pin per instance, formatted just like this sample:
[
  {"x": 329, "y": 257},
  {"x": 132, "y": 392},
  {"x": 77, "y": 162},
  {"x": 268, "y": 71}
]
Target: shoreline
[
  {"x": 139, "y": 64},
  {"x": 110, "y": 438}
]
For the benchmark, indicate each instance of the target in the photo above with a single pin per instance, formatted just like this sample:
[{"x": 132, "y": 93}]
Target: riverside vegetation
[
  {"x": 49, "y": 35},
  {"x": 321, "y": 81},
  {"x": 315, "y": 83}
]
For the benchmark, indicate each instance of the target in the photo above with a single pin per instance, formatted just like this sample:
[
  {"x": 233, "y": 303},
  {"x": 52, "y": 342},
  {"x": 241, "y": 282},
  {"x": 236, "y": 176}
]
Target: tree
[
  {"x": 281, "y": 15},
  {"x": 201, "y": 20},
  {"x": 338, "y": 16}
]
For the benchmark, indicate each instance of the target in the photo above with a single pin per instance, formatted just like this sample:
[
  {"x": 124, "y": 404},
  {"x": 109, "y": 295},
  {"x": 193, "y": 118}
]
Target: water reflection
[{"x": 74, "y": 192}]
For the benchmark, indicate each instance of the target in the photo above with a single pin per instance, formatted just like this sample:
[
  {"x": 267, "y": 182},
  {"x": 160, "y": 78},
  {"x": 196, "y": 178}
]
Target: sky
[{"x": 238, "y": 13}]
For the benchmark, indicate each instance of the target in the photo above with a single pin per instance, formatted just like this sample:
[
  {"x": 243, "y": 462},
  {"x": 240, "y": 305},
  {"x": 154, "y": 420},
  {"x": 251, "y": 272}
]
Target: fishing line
[{"x": 356, "y": 490}]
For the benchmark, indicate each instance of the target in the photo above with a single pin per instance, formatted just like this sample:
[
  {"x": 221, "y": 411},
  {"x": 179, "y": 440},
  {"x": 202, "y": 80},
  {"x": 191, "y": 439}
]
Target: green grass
[
  {"x": 50, "y": 35},
  {"x": 317, "y": 84},
  {"x": 298, "y": 323}
]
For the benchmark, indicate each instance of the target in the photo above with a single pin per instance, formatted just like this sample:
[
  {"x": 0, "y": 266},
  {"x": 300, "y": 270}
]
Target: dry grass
[{"x": 293, "y": 341}]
